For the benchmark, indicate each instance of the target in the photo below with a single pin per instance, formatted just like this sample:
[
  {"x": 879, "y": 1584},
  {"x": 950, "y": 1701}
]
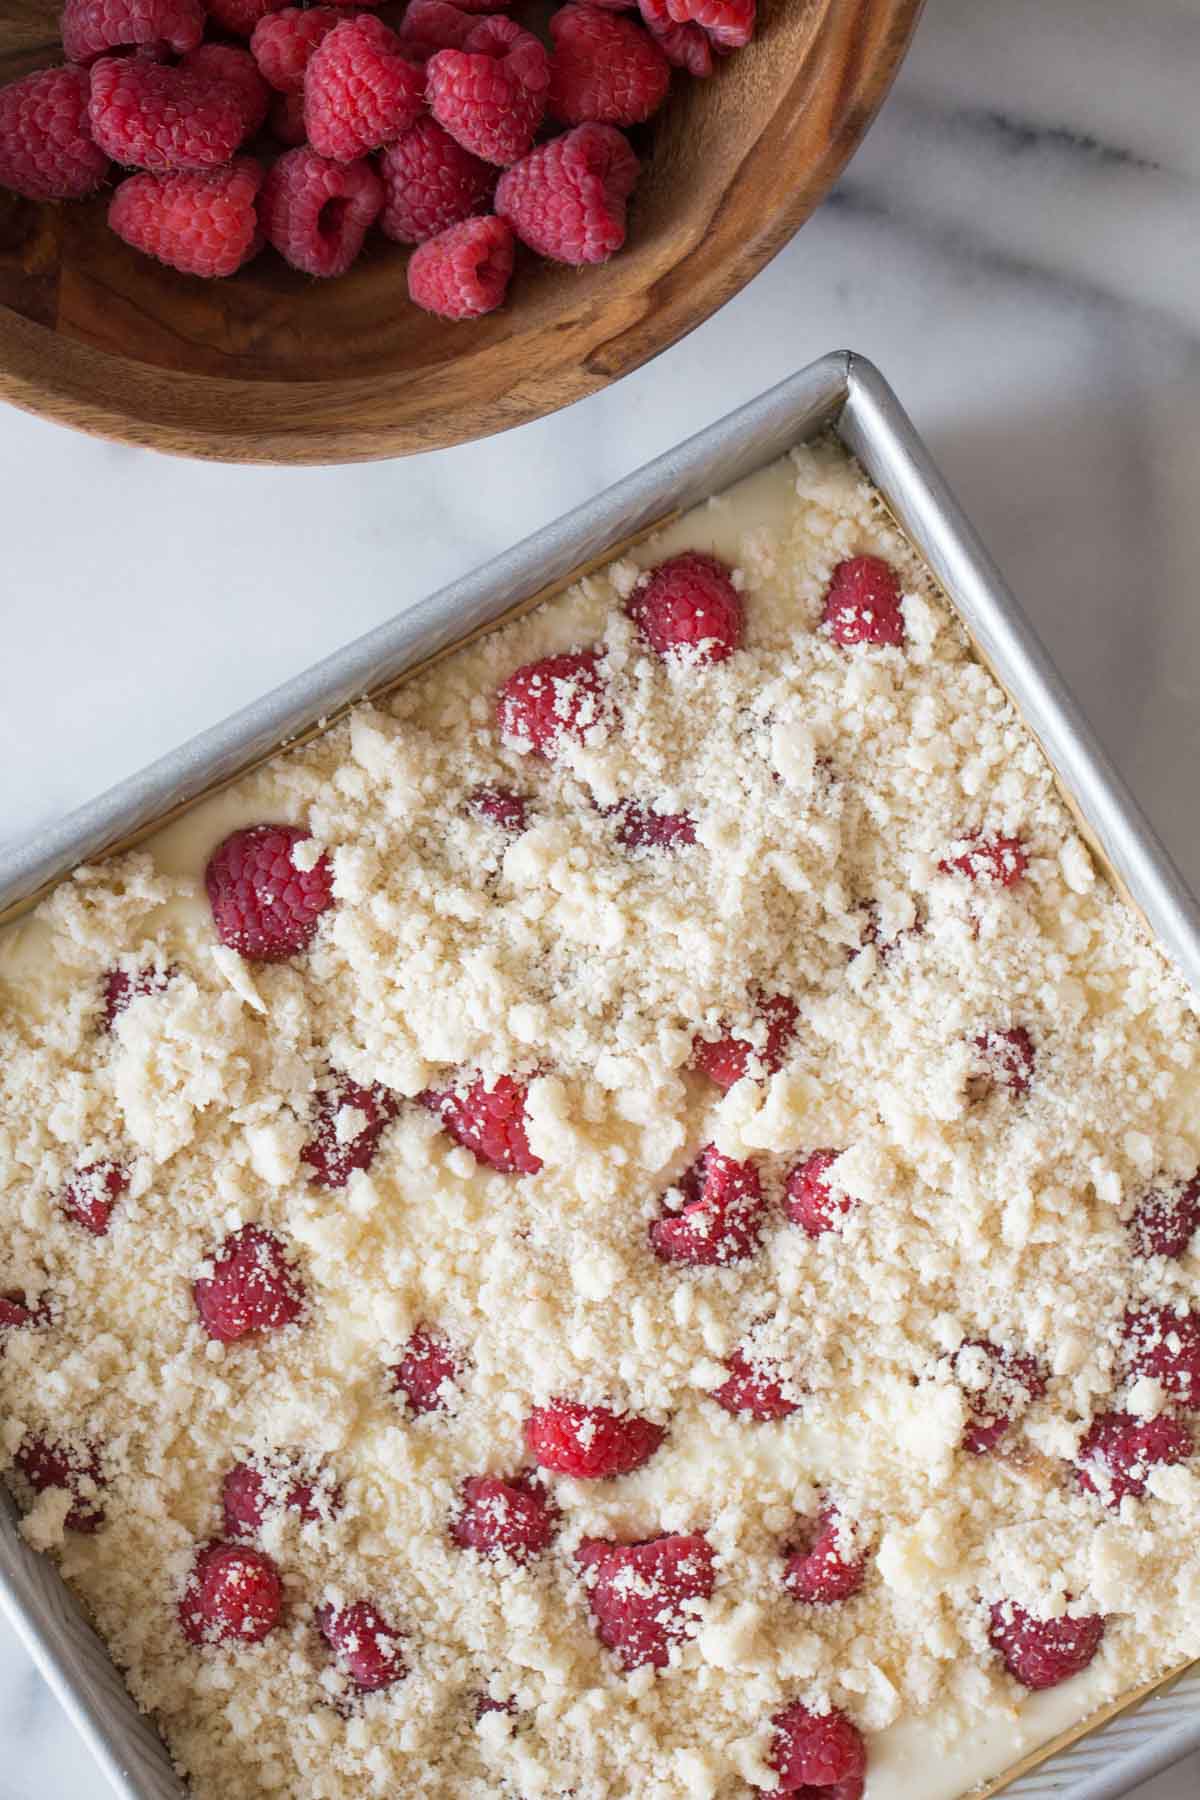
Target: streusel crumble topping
[{"x": 624, "y": 1224}]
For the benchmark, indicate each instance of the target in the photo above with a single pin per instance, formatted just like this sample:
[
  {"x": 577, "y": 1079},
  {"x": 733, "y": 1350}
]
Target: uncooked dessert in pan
[{"x": 623, "y": 1223}]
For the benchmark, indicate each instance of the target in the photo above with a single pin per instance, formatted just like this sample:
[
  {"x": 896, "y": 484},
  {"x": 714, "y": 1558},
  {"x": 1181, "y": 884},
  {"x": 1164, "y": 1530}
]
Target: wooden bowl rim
[{"x": 281, "y": 422}]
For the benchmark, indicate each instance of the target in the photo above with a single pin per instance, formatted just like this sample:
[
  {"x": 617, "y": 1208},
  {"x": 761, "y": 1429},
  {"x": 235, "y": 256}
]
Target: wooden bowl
[{"x": 273, "y": 367}]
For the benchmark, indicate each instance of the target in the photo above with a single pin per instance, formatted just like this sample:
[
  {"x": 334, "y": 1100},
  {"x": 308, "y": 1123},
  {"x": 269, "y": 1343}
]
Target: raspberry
[
  {"x": 360, "y": 90},
  {"x": 862, "y": 604},
  {"x": 427, "y": 1368},
  {"x": 589, "y": 1442},
  {"x": 999, "y": 1386},
  {"x": 252, "y": 1287},
  {"x": 684, "y": 46},
  {"x": 160, "y": 117},
  {"x": 464, "y": 271},
  {"x": 430, "y": 183},
  {"x": 238, "y": 70},
  {"x": 263, "y": 904},
  {"x": 432, "y": 25},
  {"x": 1165, "y": 1344},
  {"x": 728, "y": 23},
  {"x": 755, "y": 1386},
  {"x": 561, "y": 698},
  {"x": 1164, "y": 1224},
  {"x": 317, "y": 213},
  {"x": 239, "y": 17},
  {"x": 340, "y": 1143},
  {"x": 1119, "y": 1451},
  {"x": 1006, "y": 1059},
  {"x": 287, "y": 119},
  {"x": 505, "y": 1518},
  {"x": 605, "y": 67},
  {"x": 821, "y": 1573},
  {"x": 234, "y": 1594},
  {"x": 641, "y": 828},
  {"x": 567, "y": 198},
  {"x": 248, "y": 1494},
  {"x": 16, "y": 1314},
  {"x": 91, "y": 28},
  {"x": 728, "y": 1058},
  {"x": 1003, "y": 860},
  {"x": 689, "y": 606},
  {"x": 485, "y": 1704},
  {"x": 722, "y": 1218},
  {"x": 91, "y": 1194},
  {"x": 812, "y": 1201},
  {"x": 818, "y": 1756},
  {"x": 490, "y": 95},
  {"x": 364, "y": 1644},
  {"x": 1041, "y": 1653},
  {"x": 500, "y": 805},
  {"x": 46, "y": 146},
  {"x": 488, "y": 1121},
  {"x": 121, "y": 986},
  {"x": 642, "y": 1596},
  {"x": 75, "y": 1469},
  {"x": 202, "y": 224},
  {"x": 283, "y": 42}
]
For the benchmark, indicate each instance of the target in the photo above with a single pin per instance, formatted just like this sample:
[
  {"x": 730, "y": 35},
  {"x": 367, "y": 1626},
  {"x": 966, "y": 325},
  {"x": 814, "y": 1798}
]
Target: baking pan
[{"x": 1145, "y": 1732}]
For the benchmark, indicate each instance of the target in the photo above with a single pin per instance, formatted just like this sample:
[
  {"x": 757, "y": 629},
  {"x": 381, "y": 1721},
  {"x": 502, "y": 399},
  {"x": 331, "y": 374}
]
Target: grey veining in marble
[{"x": 1017, "y": 245}]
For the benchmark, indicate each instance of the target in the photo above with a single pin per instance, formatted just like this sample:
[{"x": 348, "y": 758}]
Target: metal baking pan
[{"x": 1096, "y": 1761}]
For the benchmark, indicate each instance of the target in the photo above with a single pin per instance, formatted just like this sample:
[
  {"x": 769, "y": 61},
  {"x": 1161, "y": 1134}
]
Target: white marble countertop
[{"x": 1016, "y": 246}]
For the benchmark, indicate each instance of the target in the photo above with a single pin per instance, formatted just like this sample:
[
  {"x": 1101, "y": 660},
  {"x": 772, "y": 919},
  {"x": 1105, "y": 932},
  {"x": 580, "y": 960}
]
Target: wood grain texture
[{"x": 273, "y": 367}]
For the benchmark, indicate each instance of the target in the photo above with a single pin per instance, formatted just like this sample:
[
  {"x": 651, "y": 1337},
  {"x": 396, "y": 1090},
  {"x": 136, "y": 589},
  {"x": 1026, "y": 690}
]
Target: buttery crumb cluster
[{"x": 622, "y": 1225}]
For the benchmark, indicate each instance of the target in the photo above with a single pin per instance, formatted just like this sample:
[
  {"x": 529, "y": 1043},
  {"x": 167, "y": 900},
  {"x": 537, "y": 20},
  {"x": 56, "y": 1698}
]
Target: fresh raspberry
[
  {"x": 16, "y": 1314},
  {"x": 432, "y": 25},
  {"x": 360, "y": 90},
  {"x": 812, "y": 1200},
  {"x": 567, "y": 198},
  {"x": 122, "y": 986},
  {"x": 365, "y": 1645},
  {"x": 1003, "y": 860},
  {"x": 642, "y": 1596},
  {"x": 91, "y": 1194},
  {"x": 862, "y": 604},
  {"x": 728, "y": 1058},
  {"x": 286, "y": 120},
  {"x": 728, "y": 23},
  {"x": 283, "y": 42},
  {"x": 239, "y": 71},
  {"x": 605, "y": 67},
  {"x": 513, "y": 1518},
  {"x": 722, "y": 1218},
  {"x": 559, "y": 699},
  {"x": 488, "y": 1121},
  {"x": 999, "y": 1386},
  {"x": 818, "y": 1756},
  {"x": 688, "y": 606},
  {"x": 340, "y": 1142},
  {"x": 252, "y": 1287},
  {"x": 430, "y": 183},
  {"x": 249, "y": 1493},
  {"x": 464, "y": 271},
  {"x": 641, "y": 828},
  {"x": 46, "y": 147},
  {"x": 1166, "y": 1221},
  {"x": 1041, "y": 1653},
  {"x": 500, "y": 805},
  {"x": 1005, "y": 1059},
  {"x": 73, "y": 1468},
  {"x": 427, "y": 1368},
  {"x": 317, "y": 213},
  {"x": 161, "y": 117},
  {"x": 589, "y": 1442},
  {"x": 263, "y": 904},
  {"x": 755, "y": 1386},
  {"x": 821, "y": 1573},
  {"x": 92, "y": 28},
  {"x": 1165, "y": 1345},
  {"x": 200, "y": 223},
  {"x": 684, "y": 46},
  {"x": 233, "y": 1595},
  {"x": 239, "y": 17},
  {"x": 1119, "y": 1451},
  {"x": 490, "y": 95}
]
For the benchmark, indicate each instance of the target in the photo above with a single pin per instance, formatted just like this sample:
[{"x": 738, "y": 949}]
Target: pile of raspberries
[{"x": 441, "y": 126}]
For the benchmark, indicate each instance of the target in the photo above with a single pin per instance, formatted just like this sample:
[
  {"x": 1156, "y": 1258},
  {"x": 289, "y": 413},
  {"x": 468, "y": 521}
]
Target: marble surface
[{"x": 1015, "y": 245}]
